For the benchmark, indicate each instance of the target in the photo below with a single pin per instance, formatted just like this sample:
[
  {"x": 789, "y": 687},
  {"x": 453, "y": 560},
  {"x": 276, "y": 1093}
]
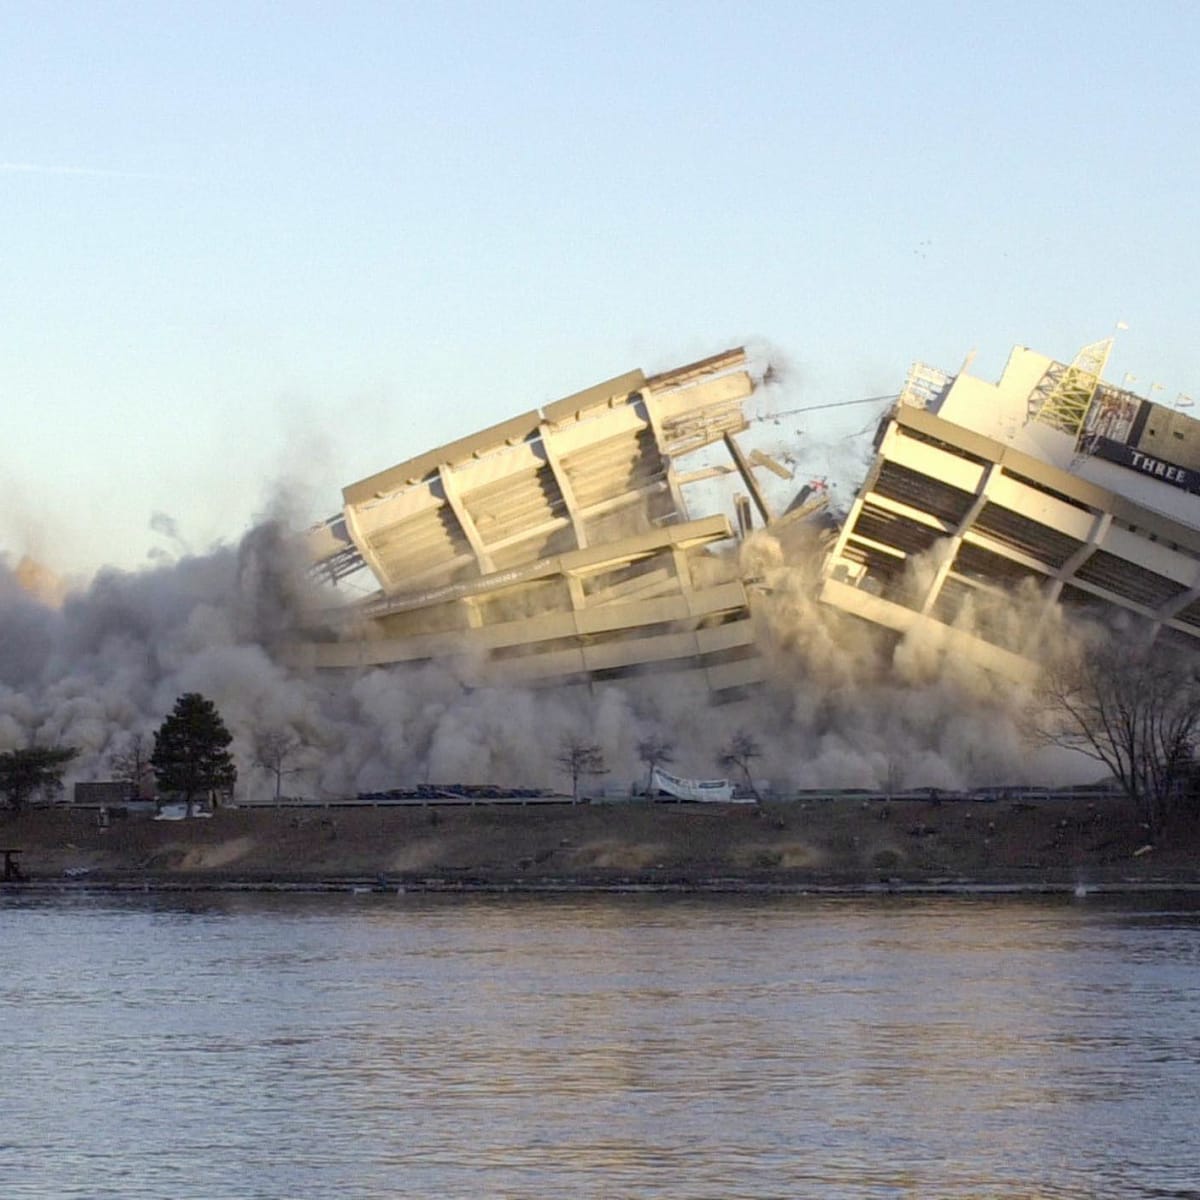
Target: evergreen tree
[
  {"x": 34, "y": 769},
  {"x": 190, "y": 756}
]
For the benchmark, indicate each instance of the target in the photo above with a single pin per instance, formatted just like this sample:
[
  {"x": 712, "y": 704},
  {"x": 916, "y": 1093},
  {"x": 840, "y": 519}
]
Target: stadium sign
[{"x": 1147, "y": 464}]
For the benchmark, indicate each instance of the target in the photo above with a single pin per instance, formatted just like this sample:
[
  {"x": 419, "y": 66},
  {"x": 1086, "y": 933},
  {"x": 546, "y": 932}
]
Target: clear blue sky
[{"x": 252, "y": 243}]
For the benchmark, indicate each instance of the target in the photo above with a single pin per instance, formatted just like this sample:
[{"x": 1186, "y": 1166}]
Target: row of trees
[
  {"x": 1130, "y": 704},
  {"x": 579, "y": 758},
  {"x": 190, "y": 758},
  {"x": 275, "y": 751},
  {"x": 1134, "y": 707}
]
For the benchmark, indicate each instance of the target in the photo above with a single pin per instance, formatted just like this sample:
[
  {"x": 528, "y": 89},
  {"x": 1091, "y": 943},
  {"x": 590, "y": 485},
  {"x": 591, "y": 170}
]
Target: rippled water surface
[{"x": 379, "y": 1046}]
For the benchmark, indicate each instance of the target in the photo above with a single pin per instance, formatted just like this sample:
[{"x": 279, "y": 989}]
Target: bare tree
[
  {"x": 579, "y": 758},
  {"x": 893, "y": 774},
  {"x": 739, "y": 752},
  {"x": 273, "y": 750},
  {"x": 654, "y": 751},
  {"x": 131, "y": 764},
  {"x": 1133, "y": 708}
]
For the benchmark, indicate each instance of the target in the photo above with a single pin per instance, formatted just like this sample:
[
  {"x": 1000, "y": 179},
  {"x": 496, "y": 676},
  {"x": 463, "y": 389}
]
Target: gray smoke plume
[
  {"x": 845, "y": 706},
  {"x": 166, "y": 525}
]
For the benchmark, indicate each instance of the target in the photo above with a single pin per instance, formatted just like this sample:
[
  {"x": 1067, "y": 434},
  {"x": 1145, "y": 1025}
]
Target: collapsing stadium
[{"x": 567, "y": 544}]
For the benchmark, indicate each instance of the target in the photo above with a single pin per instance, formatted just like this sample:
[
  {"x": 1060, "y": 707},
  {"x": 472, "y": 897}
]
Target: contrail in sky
[{"x": 23, "y": 168}]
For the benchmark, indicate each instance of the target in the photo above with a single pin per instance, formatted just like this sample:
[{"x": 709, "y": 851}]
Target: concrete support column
[
  {"x": 747, "y": 473},
  {"x": 652, "y": 419},
  {"x": 554, "y": 459},
  {"x": 969, "y": 518},
  {"x": 474, "y": 617},
  {"x": 1100, "y": 524},
  {"x": 354, "y": 529},
  {"x": 839, "y": 548},
  {"x": 454, "y": 499},
  {"x": 1173, "y": 608},
  {"x": 683, "y": 568},
  {"x": 575, "y": 590}
]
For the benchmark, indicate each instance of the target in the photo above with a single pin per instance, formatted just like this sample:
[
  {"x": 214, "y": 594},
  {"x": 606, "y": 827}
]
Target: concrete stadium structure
[
  {"x": 1049, "y": 475},
  {"x": 559, "y": 544}
]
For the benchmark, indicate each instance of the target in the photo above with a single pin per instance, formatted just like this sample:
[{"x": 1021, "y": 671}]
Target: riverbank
[{"x": 836, "y": 844}]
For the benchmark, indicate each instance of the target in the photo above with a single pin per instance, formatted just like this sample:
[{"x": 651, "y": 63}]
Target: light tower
[{"x": 1070, "y": 396}]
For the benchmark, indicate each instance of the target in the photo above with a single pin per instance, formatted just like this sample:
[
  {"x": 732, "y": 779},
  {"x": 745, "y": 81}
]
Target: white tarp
[{"x": 717, "y": 790}]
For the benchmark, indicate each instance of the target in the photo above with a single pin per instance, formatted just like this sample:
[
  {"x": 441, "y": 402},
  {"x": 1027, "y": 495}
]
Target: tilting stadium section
[
  {"x": 568, "y": 544},
  {"x": 559, "y": 544},
  {"x": 1087, "y": 491}
]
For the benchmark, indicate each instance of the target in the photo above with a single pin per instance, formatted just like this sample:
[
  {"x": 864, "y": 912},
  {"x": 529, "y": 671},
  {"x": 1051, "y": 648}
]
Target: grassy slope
[{"x": 840, "y": 842}]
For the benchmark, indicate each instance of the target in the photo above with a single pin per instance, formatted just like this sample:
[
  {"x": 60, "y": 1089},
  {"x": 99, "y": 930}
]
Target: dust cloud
[{"x": 844, "y": 706}]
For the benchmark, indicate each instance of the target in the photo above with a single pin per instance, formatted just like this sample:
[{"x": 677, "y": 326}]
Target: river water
[{"x": 238, "y": 1046}]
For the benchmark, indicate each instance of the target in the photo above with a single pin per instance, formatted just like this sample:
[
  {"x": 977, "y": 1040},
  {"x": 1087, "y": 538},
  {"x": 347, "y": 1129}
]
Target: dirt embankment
[{"x": 831, "y": 843}]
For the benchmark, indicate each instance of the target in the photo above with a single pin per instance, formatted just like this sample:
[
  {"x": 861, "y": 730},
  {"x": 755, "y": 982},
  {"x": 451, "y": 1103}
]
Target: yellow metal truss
[{"x": 1068, "y": 400}]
